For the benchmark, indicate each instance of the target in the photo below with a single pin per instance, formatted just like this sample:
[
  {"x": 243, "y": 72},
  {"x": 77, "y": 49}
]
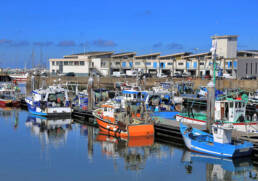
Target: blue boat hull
[
  {"x": 202, "y": 142},
  {"x": 32, "y": 110},
  {"x": 166, "y": 115}
]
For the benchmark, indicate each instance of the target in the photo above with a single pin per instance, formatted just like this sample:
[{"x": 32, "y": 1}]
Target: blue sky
[{"x": 56, "y": 28}]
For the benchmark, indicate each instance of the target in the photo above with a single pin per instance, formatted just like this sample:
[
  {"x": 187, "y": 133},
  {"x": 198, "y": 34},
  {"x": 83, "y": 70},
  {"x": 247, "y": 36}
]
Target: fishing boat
[
  {"x": 50, "y": 102},
  {"x": 253, "y": 97},
  {"x": 219, "y": 143},
  {"x": 168, "y": 88},
  {"x": 81, "y": 100},
  {"x": 114, "y": 121},
  {"x": 21, "y": 77},
  {"x": 228, "y": 112},
  {"x": 8, "y": 95}
]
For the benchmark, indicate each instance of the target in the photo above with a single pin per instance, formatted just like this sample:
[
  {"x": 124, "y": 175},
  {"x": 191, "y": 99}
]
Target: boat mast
[{"x": 211, "y": 90}]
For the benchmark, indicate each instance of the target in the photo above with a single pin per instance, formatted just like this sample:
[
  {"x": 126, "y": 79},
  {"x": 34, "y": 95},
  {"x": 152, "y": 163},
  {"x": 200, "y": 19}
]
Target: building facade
[
  {"x": 247, "y": 67},
  {"x": 197, "y": 65}
]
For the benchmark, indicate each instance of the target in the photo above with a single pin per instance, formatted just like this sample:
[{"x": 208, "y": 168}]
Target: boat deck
[{"x": 168, "y": 131}]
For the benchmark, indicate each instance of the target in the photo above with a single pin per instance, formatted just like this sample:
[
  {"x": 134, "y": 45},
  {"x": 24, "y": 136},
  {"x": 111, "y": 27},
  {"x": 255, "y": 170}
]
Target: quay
[{"x": 109, "y": 82}]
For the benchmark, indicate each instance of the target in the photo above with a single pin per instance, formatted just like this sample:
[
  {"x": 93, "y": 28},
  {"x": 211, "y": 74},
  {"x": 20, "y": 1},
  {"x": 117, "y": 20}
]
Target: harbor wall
[{"x": 108, "y": 82}]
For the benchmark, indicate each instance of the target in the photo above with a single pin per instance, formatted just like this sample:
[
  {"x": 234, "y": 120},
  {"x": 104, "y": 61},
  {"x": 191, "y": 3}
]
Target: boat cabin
[
  {"x": 253, "y": 97},
  {"x": 222, "y": 134},
  {"x": 54, "y": 96},
  {"x": 109, "y": 109},
  {"x": 131, "y": 95},
  {"x": 230, "y": 110}
]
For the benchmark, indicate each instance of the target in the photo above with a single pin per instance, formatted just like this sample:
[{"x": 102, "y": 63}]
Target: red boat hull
[{"x": 9, "y": 103}]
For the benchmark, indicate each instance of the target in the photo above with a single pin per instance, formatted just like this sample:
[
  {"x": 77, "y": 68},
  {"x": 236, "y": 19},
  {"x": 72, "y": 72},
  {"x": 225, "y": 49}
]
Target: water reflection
[
  {"x": 9, "y": 113},
  {"x": 49, "y": 131},
  {"x": 66, "y": 150},
  {"x": 220, "y": 168},
  {"x": 134, "y": 150}
]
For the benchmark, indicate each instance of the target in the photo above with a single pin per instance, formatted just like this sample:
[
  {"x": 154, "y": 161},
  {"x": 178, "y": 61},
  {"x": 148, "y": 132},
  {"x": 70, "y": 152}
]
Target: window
[
  {"x": 117, "y": 63},
  {"x": 70, "y": 63},
  {"x": 59, "y": 63},
  {"x": 148, "y": 63},
  {"x": 201, "y": 63},
  {"x": 180, "y": 63},
  {"x": 251, "y": 68},
  {"x": 81, "y": 62},
  {"x": 231, "y": 104},
  {"x": 170, "y": 63},
  {"x": 103, "y": 64},
  {"x": 137, "y": 63},
  {"x": 65, "y": 62},
  {"x": 53, "y": 63},
  {"x": 76, "y": 63},
  {"x": 246, "y": 68},
  {"x": 256, "y": 67}
]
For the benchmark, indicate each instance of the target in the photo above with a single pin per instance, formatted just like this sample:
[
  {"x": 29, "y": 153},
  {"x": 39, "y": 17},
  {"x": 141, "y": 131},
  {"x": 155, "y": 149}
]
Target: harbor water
[{"x": 35, "y": 148}]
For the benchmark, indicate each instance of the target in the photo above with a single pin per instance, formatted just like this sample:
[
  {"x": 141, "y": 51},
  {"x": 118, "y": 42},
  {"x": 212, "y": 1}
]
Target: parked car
[
  {"x": 118, "y": 74},
  {"x": 177, "y": 75},
  {"x": 161, "y": 75},
  {"x": 252, "y": 77},
  {"x": 70, "y": 74},
  {"x": 227, "y": 76},
  {"x": 185, "y": 74}
]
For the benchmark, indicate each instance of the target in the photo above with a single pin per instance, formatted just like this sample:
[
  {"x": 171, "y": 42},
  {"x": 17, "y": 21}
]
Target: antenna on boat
[{"x": 211, "y": 90}]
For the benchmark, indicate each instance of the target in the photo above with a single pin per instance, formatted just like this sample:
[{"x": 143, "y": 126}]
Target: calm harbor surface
[{"x": 31, "y": 150}]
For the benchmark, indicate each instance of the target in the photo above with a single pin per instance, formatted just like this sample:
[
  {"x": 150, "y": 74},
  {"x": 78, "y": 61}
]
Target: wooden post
[
  {"x": 90, "y": 93},
  {"x": 32, "y": 82}
]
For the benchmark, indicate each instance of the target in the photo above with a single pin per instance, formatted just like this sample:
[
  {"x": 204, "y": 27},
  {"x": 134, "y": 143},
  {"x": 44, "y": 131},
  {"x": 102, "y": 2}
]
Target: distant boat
[
  {"x": 21, "y": 77},
  {"x": 8, "y": 97},
  {"x": 218, "y": 143}
]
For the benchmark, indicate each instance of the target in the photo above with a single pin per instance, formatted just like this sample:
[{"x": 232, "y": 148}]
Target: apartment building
[{"x": 198, "y": 65}]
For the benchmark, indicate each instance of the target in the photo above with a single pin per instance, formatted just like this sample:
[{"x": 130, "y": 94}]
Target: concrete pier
[{"x": 108, "y": 82}]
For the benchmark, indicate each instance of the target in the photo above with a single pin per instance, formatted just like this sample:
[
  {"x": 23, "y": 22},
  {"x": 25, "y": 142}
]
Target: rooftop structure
[
  {"x": 226, "y": 46},
  {"x": 89, "y": 54},
  {"x": 175, "y": 55},
  {"x": 205, "y": 54},
  {"x": 124, "y": 55}
]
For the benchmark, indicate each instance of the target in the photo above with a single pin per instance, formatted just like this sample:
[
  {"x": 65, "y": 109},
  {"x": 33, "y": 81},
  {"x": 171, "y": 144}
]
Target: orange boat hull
[
  {"x": 132, "y": 130},
  {"x": 131, "y": 141}
]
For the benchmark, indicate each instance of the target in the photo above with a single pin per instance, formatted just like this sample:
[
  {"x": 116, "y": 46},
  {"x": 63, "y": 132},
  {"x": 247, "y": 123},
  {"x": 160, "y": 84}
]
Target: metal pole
[{"x": 211, "y": 92}]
